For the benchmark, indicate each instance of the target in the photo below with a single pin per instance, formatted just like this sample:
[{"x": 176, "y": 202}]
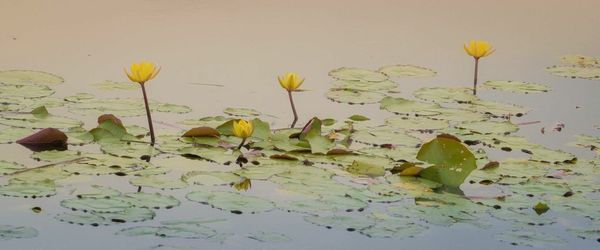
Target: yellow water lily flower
[
  {"x": 242, "y": 128},
  {"x": 142, "y": 72},
  {"x": 290, "y": 81},
  {"x": 479, "y": 49}
]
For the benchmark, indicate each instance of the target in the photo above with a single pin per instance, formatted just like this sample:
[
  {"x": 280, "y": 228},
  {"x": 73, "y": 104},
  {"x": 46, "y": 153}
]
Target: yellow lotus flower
[
  {"x": 290, "y": 81},
  {"x": 142, "y": 72},
  {"x": 242, "y": 128},
  {"x": 478, "y": 48}
]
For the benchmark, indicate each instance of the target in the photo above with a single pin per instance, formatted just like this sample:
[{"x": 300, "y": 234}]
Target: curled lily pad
[
  {"x": 29, "y": 77},
  {"x": 24, "y": 91},
  {"x": 587, "y": 72},
  {"x": 233, "y": 202},
  {"x": 446, "y": 95},
  {"x": 357, "y": 74},
  {"x": 16, "y": 232},
  {"x": 364, "y": 85},
  {"x": 453, "y": 162},
  {"x": 516, "y": 86},
  {"x": 353, "y": 97},
  {"x": 401, "y": 70},
  {"x": 407, "y": 107}
]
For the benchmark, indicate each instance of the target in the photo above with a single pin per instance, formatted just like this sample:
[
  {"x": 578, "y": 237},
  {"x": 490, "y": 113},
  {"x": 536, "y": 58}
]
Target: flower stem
[
  {"x": 241, "y": 144},
  {"x": 152, "y": 139},
  {"x": 475, "y": 76},
  {"x": 293, "y": 109}
]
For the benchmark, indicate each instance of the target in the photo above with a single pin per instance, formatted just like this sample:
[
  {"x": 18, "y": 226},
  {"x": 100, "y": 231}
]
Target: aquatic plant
[
  {"x": 291, "y": 82},
  {"x": 478, "y": 49},
  {"x": 141, "y": 73},
  {"x": 242, "y": 129}
]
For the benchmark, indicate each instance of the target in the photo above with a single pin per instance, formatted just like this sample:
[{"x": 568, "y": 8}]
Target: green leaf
[
  {"x": 366, "y": 169},
  {"x": 453, "y": 162}
]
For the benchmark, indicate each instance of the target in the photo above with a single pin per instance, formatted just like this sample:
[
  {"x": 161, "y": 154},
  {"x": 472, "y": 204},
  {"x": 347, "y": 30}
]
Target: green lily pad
[
  {"x": 402, "y": 70},
  {"x": 241, "y": 112},
  {"x": 497, "y": 109},
  {"x": 233, "y": 202},
  {"x": 590, "y": 73},
  {"x": 458, "y": 115},
  {"x": 366, "y": 169},
  {"x": 453, "y": 162},
  {"x": 446, "y": 95},
  {"x": 210, "y": 178},
  {"x": 341, "y": 222},
  {"x": 122, "y": 107},
  {"x": 580, "y": 60},
  {"x": 269, "y": 237},
  {"x": 357, "y": 74},
  {"x": 16, "y": 232},
  {"x": 364, "y": 85},
  {"x": 96, "y": 205},
  {"x": 408, "y": 107},
  {"x": 516, "y": 86},
  {"x": 24, "y": 91},
  {"x": 524, "y": 237},
  {"x": 158, "y": 182},
  {"x": 394, "y": 228},
  {"x": 210, "y": 121},
  {"x": 353, "y": 97},
  {"x": 416, "y": 123},
  {"x": 111, "y": 85},
  {"x": 385, "y": 135},
  {"x": 29, "y": 77},
  {"x": 29, "y": 189},
  {"x": 489, "y": 127},
  {"x": 151, "y": 200},
  {"x": 38, "y": 121},
  {"x": 9, "y": 167}
]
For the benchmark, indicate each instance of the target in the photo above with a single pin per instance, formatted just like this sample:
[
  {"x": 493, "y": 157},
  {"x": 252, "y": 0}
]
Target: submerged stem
[
  {"x": 152, "y": 139},
  {"x": 241, "y": 143},
  {"x": 475, "y": 76},
  {"x": 293, "y": 109}
]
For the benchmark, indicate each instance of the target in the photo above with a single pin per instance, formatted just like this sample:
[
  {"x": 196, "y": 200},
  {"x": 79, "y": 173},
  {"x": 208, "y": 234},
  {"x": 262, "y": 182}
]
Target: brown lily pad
[
  {"x": 45, "y": 139},
  {"x": 202, "y": 132}
]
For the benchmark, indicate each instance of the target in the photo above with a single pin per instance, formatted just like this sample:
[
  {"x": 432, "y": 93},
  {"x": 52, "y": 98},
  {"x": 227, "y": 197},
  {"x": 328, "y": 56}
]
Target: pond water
[{"x": 216, "y": 55}]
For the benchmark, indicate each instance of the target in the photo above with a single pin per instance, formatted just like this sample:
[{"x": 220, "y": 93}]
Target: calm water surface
[{"x": 243, "y": 45}]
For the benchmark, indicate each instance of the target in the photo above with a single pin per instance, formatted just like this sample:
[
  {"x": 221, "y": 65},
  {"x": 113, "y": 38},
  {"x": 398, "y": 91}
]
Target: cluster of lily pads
[{"x": 383, "y": 180}]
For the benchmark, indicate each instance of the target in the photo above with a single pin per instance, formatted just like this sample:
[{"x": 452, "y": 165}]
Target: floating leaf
[
  {"x": 416, "y": 123},
  {"x": 29, "y": 77},
  {"x": 358, "y": 85},
  {"x": 446, "y": 95},
  {"x": 353, "y": 96},
  {"x": 15, "y": 232},
  {"x": 401, "y": 70},
  {"x": 45, "y": 139},
  {"x": 40, "y": 121},
  {"x": 580, "y": 60},
  {"x": 233, "y": 202},
  {"x": 516, "y": 86},
  {"x": 497, "y": 109},
  {"x": 24, "y": 91},
  {"x": 210, "y": 178},
  {"x": 202, "y": 132},
  {"x": 269, "y": 237},
  {"x": 242, "y": 112},
  {"x": 590, "y": 73},
  {"x": 408, "y": 107},
  {"x": 489, "y": 127},
  {"x": 523, "y": 237},
  {"x": 385, "y": 135},
  {"x": 357, "y": 74},
  {"x": 453, "y": 162},
  {"x": 366, "y": 169},
  {"x": 158, "y": 182},
  {"x": 111, "y": 85},
  {"x": 150, "y": 200},
  {"x": 342, "y": 222},
  {"x": 122, "y": 107},
  {"x": 9, "y": 167}
]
